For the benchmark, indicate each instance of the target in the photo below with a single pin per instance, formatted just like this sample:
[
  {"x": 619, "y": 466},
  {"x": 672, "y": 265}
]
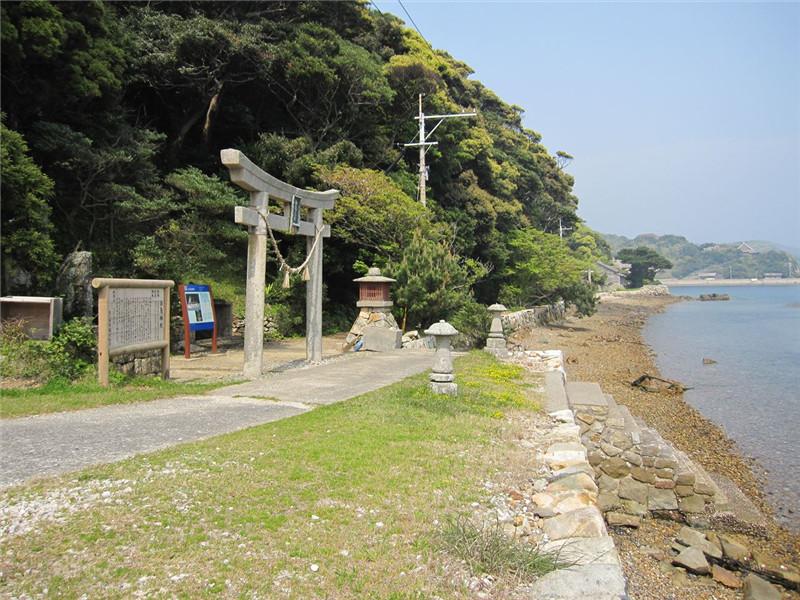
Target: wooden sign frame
[
  {"x": 104, "y": 351},
  {"x": 188, "y": 326}
]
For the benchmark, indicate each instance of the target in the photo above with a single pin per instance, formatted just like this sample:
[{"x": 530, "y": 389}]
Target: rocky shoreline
[{"x": 608, "y": 348}]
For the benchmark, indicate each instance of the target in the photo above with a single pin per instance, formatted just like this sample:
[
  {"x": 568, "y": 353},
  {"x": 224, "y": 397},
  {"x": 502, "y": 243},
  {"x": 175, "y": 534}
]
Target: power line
[
  {"x": 376, "y": 6},
  {"x": 410, "y": 18}
]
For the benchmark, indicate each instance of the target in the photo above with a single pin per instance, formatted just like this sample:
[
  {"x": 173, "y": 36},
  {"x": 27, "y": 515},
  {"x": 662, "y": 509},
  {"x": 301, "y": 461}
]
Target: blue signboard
[{"x": 199, "y": 308}]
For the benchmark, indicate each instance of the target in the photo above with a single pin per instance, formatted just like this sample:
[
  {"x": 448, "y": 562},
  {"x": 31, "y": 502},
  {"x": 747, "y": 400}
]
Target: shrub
[
  {"x": 69, "y": 355},
  {"x": 472, "y": 321},
  {"x": 72, "y": 350}
]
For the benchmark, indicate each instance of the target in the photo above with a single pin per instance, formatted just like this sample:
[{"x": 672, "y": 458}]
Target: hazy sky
[{"x": 683, "y": 118}]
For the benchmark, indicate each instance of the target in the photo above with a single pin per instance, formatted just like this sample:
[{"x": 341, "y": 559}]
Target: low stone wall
[
  {"x": 646, "y": 291},
  {"x": 533, "y": 317},
  {"x": 147, "y": 362}
]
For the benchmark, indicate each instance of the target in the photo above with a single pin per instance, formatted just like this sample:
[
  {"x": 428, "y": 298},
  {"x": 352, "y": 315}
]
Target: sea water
[{"x": 753, "y": 390}]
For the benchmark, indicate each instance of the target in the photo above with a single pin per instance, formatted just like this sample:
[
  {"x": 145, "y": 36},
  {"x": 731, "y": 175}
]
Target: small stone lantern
[
  {"x": 441, "y": 378},
  {"x": 375, "y": 306},
  {"x": 496, "y": 342}
]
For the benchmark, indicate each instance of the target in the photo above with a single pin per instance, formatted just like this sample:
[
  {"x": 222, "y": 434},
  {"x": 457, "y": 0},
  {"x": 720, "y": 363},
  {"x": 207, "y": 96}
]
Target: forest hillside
[
  {"x": 114, "y": 115},
  {"x": 728, "y": 260}
]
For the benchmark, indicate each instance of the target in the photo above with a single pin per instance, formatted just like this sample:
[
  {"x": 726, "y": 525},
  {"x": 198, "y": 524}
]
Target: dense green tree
[
  {"x": 433, "y": 282},
  {"x": 644, "y": 263},
  {"x": 543, "y": 269},
  {"x": 29, "y": 256}
]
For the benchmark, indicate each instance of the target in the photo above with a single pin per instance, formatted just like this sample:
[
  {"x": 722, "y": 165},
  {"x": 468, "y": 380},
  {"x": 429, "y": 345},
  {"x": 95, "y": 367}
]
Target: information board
[
  {"x": 136, "y": 316},
  {"x": 199, "y": 307},
  {"x": 132, "y": 317}
]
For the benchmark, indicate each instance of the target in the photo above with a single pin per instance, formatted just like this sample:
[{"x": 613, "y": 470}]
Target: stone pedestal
[
  {"x": 442, "y": 380},
  {"x": 496, "y": 342}
]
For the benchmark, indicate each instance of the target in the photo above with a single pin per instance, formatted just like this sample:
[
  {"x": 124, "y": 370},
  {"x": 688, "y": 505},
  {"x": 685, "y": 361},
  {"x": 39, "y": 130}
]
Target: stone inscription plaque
[{"x": 136, "y": 316}]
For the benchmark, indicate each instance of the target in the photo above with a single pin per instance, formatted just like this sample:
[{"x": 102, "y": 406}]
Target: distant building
[
  {"x": 773, "y": 275},
  {"x": 616, "y": 274},
  {"x": 746, "y": 248},
  {"x": 707, "y": 276}
]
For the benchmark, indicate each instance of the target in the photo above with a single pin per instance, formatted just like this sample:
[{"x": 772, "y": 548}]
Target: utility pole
[{"x": 423, "y": 144}]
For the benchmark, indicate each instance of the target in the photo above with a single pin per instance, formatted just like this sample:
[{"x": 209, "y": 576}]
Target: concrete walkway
[{"x": 62, "y": 442}]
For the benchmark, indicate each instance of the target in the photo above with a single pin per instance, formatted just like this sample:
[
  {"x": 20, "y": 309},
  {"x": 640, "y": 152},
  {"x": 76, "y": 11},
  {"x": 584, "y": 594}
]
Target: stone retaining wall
[
  {"x": 636, "y": 471},
  {"x": 147, "y": 362},
  {"x": 533, "y": 317}
]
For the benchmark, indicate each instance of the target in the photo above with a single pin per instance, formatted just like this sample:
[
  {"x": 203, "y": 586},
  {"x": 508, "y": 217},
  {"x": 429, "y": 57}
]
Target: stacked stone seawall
[
  {"x": 533, "y": 317},
  {"x": 635, "y": 469}
]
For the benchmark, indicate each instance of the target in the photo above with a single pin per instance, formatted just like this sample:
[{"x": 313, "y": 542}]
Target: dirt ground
[
  {"x": 227, "y": 363},
  {"x": 608, "y": 348}
]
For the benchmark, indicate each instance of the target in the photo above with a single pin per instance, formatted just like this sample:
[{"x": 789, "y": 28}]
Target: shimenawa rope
[{"x": 287, "y": 269}]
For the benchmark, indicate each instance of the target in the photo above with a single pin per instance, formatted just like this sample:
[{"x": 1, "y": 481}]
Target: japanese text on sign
[{"x": 136, "y": 316}]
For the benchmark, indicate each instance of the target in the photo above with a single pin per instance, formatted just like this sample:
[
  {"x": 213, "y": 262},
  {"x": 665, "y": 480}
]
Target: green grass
[
  {"x": 61, "y": 395},
  {"x": 361, "y": 489}
]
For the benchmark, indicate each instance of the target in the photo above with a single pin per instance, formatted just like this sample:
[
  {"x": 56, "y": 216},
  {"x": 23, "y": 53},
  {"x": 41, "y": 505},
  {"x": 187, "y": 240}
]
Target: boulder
[
  {"x": 570, "y": 502},
  {"x": 615, "y": 467},
  {"x": 632, "y": 507},
  {"x": 382, "y": 339},
  {"x": 756, "y": 588},
  {"x": 725, "y": 577},
  {"x": 578, "y": 582},
  {"x": 607, "y": 484},
  {"x": 632, "y": 458},
  {"x": 643, "y": 475},
  {"x": 692, "y": 504},
  {"x": 74, "y": 283},
  {"x": 607, "y": 501},
  {"x": 691, "y": 537},
  {"x": 630, "y": 489},
  {"x": 766, "y": 564},
  {"x": 617, "y": 519},
  {"x": 661, "y": 499},
  {"x": 584, "y": 522},
  {"x": 692, "y": 560},
  {"x": 574, "y": 482}
]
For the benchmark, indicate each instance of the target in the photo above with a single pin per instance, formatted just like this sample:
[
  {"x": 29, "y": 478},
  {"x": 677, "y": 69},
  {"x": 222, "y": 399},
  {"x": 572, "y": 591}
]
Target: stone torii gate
[{"x": 263, "y": 186}]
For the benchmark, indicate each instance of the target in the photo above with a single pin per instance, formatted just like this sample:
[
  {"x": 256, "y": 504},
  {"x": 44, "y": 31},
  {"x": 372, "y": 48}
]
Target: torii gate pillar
[{"x": 263, "y": 186}]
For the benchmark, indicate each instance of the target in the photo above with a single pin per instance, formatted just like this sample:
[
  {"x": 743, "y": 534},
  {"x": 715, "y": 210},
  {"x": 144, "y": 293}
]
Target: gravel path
[{"x": 62, "y": 442}]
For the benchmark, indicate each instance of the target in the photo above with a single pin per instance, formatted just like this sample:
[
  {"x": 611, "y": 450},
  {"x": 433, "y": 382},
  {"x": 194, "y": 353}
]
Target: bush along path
[{"x": 394, "y": 493}]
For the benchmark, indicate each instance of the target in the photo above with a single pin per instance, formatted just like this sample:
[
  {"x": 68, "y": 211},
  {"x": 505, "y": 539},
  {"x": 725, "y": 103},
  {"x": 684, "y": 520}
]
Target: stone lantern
[
  {"x": 375, "y": 313},
  {"x": 496, "y": 342},
  {"x": 373, "y": 290},
  {"x": 441, "y": 378}
]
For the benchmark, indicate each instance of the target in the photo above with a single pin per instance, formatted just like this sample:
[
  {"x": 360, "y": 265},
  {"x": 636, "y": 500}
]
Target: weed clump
[{"x": 486, "y": 549}]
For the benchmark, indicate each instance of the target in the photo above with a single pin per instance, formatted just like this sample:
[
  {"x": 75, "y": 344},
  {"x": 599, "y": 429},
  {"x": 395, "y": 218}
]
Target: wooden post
[
  {"x": 213, "y": 316},
  {"x": 254, "y": 301},
  {"x": 102, "y": 336},
  {"x": 165, "y": 350},
  {"x": 314, "y": 293},
  {"x": 187, "y": 334}
]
